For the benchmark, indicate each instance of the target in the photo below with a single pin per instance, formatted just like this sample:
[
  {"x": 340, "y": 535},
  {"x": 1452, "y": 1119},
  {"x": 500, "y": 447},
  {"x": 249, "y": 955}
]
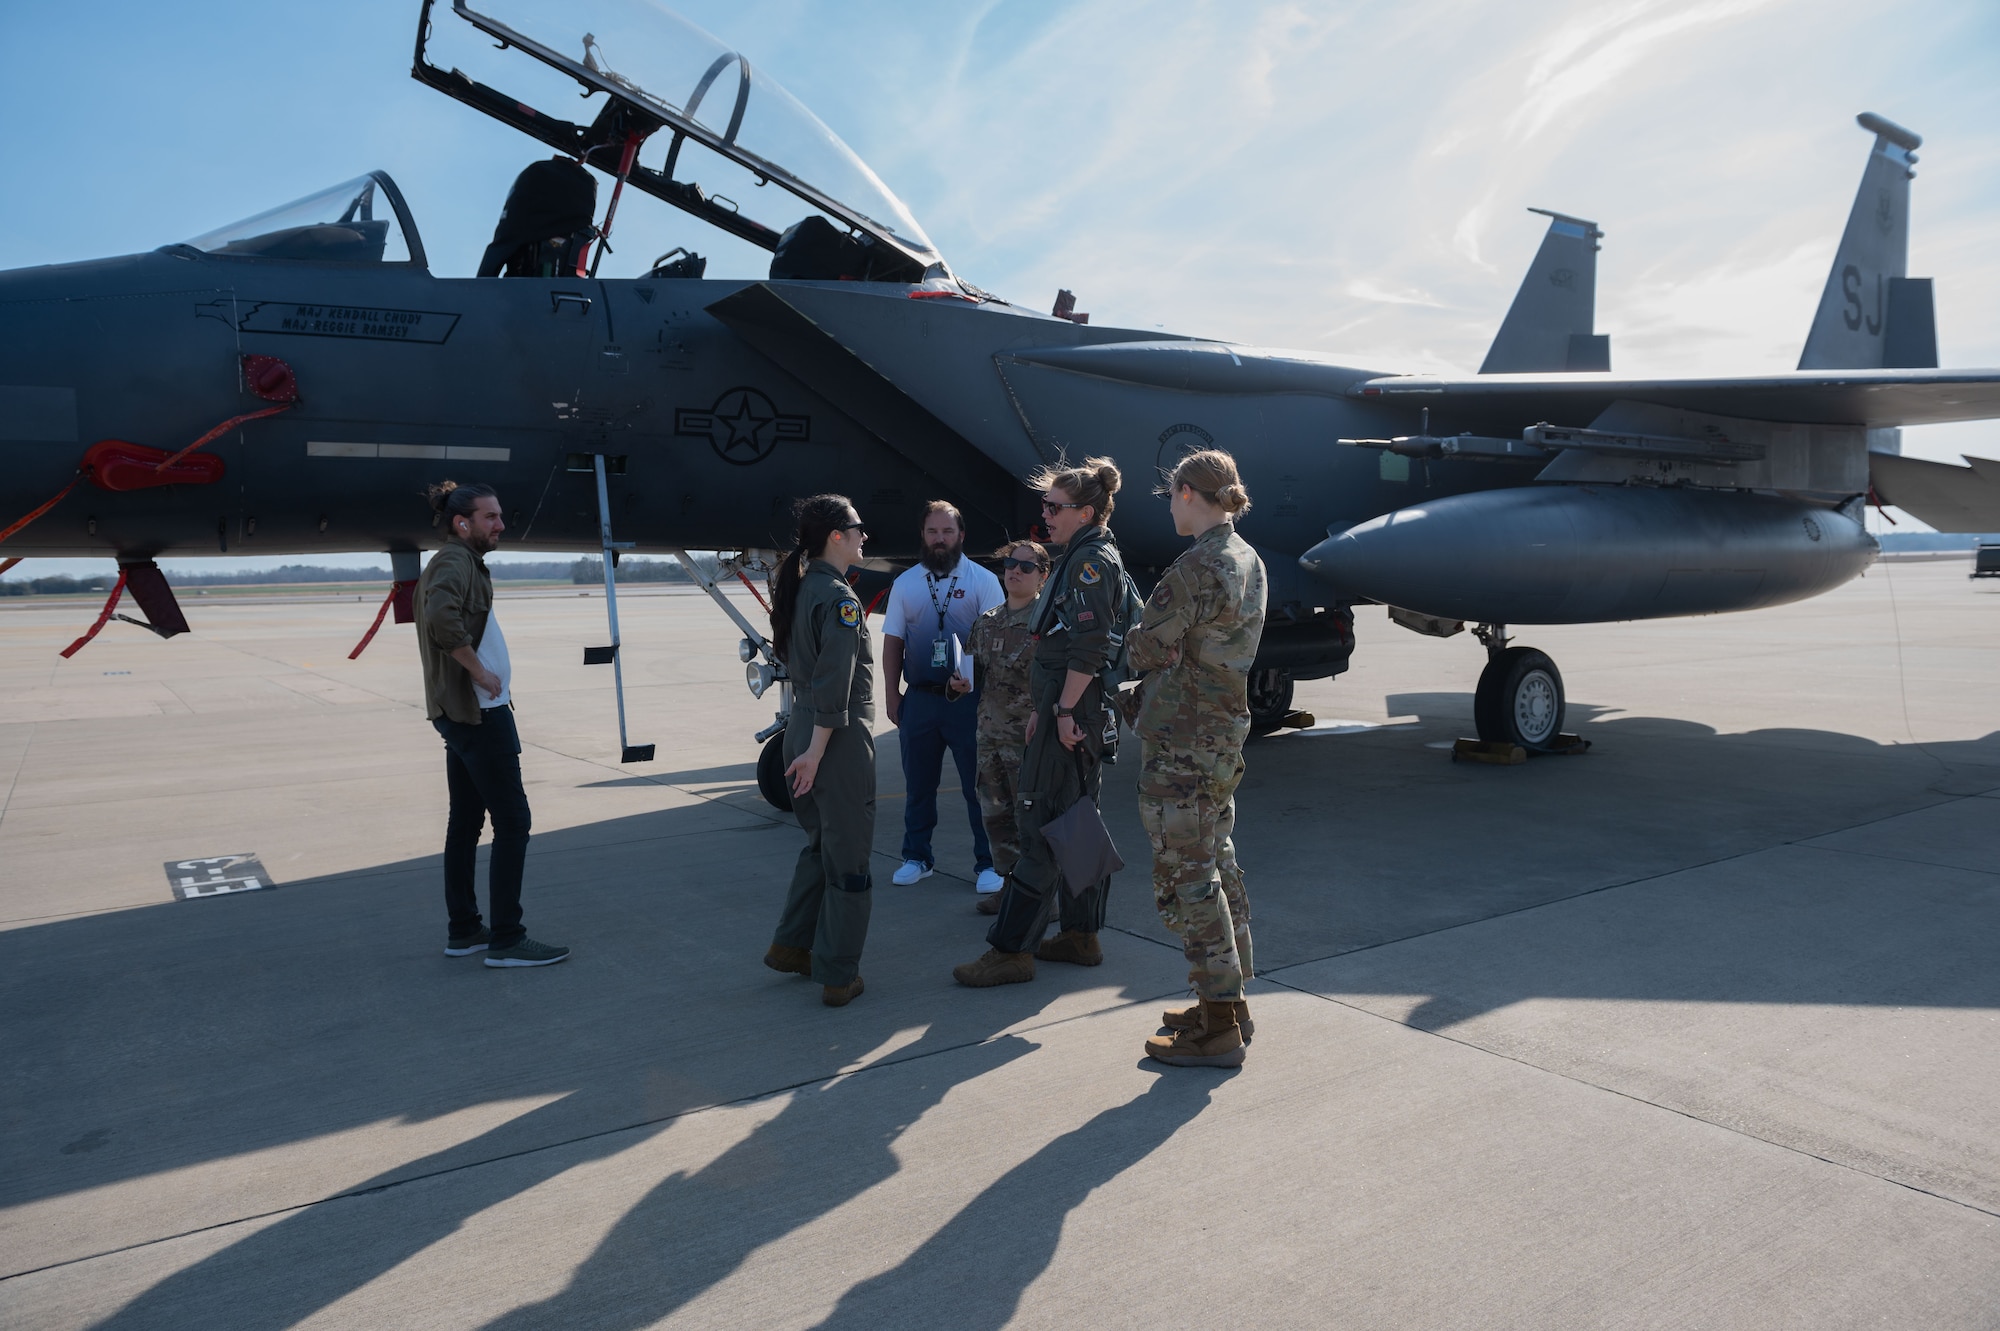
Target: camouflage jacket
[
  {"x": 1197, "y": 639},
  {"x": 1001, "y": 650}
]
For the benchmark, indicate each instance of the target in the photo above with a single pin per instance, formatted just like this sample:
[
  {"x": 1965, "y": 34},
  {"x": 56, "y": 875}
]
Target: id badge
[{"x": 940, "y": 653}]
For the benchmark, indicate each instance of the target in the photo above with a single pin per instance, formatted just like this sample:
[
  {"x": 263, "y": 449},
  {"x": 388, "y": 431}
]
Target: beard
[{"x": 940, "y": 559}]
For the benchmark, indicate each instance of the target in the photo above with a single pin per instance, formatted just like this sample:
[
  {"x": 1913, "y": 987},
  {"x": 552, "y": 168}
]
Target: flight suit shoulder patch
[
  {"x": 1089, "y": 573},
  {"x": 850, "y": 612}
]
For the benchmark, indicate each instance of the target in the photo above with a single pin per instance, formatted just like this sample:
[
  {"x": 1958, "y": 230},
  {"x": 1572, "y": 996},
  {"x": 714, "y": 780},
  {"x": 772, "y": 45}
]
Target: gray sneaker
[
  {"x": 527, "y": 952},
  {"x": 471, "y": 943}
]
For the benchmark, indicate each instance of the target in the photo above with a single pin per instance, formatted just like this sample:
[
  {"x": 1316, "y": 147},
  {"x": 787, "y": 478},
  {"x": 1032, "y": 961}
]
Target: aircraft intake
[{"x": 1581, "y": 554}]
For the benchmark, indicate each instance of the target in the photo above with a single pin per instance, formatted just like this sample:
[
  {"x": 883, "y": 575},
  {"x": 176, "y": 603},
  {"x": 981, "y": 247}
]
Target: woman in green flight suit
[
  {"x": 1076, "y": 623},
  {"x": 819, "y": 632}
]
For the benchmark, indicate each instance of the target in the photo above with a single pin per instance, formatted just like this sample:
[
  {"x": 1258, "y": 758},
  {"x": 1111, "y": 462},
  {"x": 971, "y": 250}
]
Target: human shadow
[
  {"x": 830, "y": 1144},
  {"x": 971, "y": 1273},
  {"x": 150, "y": 1041},
  {"x": 188, "y": 1035}
]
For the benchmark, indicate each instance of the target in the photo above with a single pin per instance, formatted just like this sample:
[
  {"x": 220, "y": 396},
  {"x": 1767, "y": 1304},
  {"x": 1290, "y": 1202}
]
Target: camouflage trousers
[
  {"x": 999, "y": 779},
  {"x": 1187, "y": 803}
]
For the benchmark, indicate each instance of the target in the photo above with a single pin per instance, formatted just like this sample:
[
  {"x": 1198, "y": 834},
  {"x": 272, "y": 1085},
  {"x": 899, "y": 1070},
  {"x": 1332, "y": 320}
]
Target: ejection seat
[{"x": 547, "y": 224}]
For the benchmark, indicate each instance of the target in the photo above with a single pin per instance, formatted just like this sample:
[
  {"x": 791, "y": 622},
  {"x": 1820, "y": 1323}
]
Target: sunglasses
[
  {"x": 1013, "y": 565},
  {"x": 1051, "y": 506},
  {"x": 856, "y": 527}
]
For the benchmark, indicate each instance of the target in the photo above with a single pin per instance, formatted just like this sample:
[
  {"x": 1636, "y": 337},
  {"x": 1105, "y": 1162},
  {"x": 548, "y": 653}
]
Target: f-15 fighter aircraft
[{"x": 331, "y": 374}]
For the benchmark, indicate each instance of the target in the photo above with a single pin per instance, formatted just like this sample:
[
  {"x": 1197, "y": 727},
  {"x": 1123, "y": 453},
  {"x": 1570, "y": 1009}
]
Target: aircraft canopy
[
  {"x": 358, "y": 221},
  {"x": 660, "y": 62}
]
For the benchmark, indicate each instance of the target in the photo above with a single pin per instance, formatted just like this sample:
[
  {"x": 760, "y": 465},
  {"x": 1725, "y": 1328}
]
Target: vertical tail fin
[
  {"x": 1549, "y": 325},
  {"x": 1871, "y": 316}
]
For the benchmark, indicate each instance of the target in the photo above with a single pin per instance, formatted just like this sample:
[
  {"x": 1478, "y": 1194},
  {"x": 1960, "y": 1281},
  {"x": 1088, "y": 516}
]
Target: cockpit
[
  {"x": 357, "y": 221},
  {"x": 675, "y": 115}
]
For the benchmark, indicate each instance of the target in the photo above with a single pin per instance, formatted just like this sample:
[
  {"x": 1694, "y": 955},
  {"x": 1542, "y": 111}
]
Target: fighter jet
[{"x": 325, "y": 374}]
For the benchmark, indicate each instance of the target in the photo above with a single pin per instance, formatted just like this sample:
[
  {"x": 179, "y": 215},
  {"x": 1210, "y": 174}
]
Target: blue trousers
[{"x": 929, "y": 725}]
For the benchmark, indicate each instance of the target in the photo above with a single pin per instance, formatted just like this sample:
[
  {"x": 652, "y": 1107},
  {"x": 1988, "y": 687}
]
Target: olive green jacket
[
  {"x": 829, "y": 658},
  {"x": 454, "y": 597}
]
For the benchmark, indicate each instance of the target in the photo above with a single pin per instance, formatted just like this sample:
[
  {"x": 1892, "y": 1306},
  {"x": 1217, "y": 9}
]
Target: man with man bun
[{"x": 468, "y": 696}]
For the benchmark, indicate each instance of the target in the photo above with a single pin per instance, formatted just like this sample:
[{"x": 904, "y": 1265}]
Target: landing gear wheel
[
  {"x": 771, "y": 774},
  {"x": 1270, "y": 700},
  {"x": 1520, "y": 699}
]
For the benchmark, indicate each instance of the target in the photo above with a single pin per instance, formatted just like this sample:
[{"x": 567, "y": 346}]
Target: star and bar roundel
[{"x": 742, "y": 427}]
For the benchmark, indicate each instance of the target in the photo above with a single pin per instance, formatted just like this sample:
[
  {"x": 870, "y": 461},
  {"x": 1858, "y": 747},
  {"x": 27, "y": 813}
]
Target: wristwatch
[{"x": 1065, "y": 711}]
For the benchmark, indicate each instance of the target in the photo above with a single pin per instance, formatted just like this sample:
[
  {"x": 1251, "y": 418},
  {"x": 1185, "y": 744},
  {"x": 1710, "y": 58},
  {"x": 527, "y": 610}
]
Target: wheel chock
[
  {"x": 1483, "y": 751},
  {"x": 1563, "y": 746},
  {"x": 1298, "y": 721}
]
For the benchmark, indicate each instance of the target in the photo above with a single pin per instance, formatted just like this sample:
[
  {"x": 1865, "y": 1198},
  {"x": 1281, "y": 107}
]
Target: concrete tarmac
[{"x": 1699, "y": 1029}]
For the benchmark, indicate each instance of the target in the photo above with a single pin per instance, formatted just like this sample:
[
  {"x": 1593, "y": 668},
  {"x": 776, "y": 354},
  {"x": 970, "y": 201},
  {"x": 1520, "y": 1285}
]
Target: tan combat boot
[
  {"x": 1188, "y": 1018},
  {"x": 1216, "y": 1043},
  {"x": 790, "y": 960},
  {"x": 1074, "y": 946},
  {"x": 996, "y": 967},
  {"x": 840, "y": 995}
]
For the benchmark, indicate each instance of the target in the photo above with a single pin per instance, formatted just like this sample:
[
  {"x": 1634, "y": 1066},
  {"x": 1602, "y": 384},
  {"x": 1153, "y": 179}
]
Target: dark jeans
[
  {"x": 482, "y": 769},
  {"x": 931, "y": 723}
]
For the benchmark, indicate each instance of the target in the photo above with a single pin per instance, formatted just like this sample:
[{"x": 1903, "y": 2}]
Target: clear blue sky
[{"x": 1344, "y": 177}]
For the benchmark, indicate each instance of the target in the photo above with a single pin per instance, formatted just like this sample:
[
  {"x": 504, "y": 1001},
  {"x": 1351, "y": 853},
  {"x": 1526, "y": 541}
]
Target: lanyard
[{"x": 930, "y": 585}]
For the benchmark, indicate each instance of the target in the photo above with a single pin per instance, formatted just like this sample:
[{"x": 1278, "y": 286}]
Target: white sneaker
[
  {"x": 913, "y": 871},
  {"x": 990, "y": 881}
]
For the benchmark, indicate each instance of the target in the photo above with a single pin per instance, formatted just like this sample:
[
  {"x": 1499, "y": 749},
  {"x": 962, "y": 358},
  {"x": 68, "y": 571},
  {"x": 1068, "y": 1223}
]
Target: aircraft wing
[
  {"x": 1873, "y": 398},
  {"x": 1957, "y": 499}
]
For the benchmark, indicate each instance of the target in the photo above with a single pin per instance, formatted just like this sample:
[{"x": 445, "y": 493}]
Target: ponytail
[
  {"x": 814, "y": 519},
  {"x": 1211, "y": 473},
  {"x": 1094, "y": 483}
]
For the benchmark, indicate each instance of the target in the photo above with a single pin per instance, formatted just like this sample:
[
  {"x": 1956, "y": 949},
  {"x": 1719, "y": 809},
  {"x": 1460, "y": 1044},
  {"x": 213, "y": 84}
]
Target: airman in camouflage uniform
[
  {"x": 1001, "y": 651},
  {"x": 1198, "y": 638}
]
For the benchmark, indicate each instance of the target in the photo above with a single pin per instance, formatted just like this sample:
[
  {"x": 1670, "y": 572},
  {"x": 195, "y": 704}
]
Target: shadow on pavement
[{"x": 148, "y": 1041}]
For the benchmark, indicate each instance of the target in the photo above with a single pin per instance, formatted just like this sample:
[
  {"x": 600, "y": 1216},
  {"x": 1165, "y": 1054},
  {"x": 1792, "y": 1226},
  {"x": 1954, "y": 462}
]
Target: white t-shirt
[
  {"x": 964, "y": 594},
  {"x": 492, "y": 654}
]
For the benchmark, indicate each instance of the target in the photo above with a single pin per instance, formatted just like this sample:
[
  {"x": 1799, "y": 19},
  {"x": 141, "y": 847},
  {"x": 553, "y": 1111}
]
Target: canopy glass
[{"x": 664, "y": 64}]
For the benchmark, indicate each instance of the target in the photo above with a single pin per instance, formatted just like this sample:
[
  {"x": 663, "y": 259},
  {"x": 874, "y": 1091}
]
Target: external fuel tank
[{"x": 1578, "y": 554}]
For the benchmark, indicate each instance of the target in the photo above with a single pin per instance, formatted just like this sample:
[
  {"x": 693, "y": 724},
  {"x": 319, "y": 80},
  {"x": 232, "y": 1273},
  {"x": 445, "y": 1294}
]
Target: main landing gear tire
[
  {"x": 1520, "y": 699},
  {"x": 1270, "y": 700},
  {"x": 771, "y": 774}
]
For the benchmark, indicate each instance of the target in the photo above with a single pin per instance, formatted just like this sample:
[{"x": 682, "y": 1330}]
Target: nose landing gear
[
  {"x": 1270, "y": 700},
  {"x": 1520, "y": 695}
]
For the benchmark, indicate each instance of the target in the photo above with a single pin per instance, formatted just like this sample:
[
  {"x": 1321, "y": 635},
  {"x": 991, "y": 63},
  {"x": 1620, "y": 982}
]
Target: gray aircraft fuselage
[{"x": 405, "y": 378}]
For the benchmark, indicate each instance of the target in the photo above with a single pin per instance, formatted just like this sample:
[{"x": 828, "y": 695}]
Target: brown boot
[
  {"x": 1188, "y": 1018},
  {"x": 1217, "y": 1043},
  {"x": 840, "y": 995},
  {"x": 1074, "y": 946},
  {"x": 988, "y": 903},
  {"x": 996, "y": 967},
  {"x": 790, "y": 960}
]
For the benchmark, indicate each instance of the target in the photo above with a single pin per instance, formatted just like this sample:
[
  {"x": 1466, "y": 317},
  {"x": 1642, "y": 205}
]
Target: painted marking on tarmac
[
  {"x": 216, "y": 875},
  {"x": 1336, "y": 726}
]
